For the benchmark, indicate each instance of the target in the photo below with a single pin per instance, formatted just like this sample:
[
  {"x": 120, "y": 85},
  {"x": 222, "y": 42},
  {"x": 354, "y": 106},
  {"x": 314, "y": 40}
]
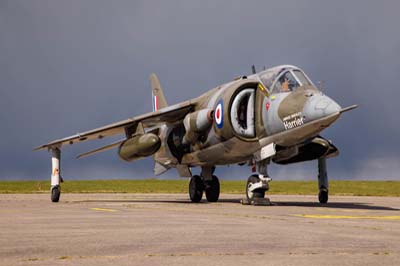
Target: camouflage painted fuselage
[{"x": 248, "y": 114}]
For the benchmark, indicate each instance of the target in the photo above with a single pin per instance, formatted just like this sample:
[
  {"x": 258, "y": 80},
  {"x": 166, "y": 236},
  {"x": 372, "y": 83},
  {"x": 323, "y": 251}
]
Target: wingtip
[
  {"x": 48, "y": 146},
  {"x": 39, "y": 148}
]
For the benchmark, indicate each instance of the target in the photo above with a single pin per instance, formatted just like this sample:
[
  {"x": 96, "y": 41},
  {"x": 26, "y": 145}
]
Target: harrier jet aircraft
[{"x": 275, "y": 115}]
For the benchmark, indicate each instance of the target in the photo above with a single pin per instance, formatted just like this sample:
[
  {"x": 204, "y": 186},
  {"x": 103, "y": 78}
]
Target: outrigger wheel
[
  {"x": 196, "y": 188},
  {"x": 251, "y": 195},
  {"x": 55, "y": 193},
  {"x": 212, "y": 188},
  {"x": 322, "y": 181},
  {"x": 323, "y": 195}
]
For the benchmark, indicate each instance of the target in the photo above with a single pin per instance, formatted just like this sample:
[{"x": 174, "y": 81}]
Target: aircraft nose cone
[
  {"x": 326, "y": 105},
  {"x": 319, "y": 106}
]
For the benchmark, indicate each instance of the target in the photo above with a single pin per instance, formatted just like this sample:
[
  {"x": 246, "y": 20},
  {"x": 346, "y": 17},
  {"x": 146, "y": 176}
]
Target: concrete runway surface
[{"x": 165, "y": 229}]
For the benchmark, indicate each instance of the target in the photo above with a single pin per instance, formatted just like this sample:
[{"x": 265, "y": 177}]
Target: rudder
[{"x": 159, "y": 100}]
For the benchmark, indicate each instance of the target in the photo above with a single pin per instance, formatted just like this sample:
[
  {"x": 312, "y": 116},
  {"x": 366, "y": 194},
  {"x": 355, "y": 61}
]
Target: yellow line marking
[
  {"x": 341, "y": 210},
  {"x": 103, "y": 210},
  {"x": 318, "y": 216}
]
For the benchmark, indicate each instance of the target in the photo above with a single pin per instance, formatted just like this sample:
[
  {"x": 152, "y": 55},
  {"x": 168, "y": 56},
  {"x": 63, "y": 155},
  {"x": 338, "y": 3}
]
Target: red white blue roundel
[{"x": 219, "y": 114}]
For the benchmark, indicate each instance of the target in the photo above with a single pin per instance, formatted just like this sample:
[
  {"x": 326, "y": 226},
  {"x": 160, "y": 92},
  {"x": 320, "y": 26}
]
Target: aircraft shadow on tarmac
[
  {"x": 333, "y": 205},
  {"x": 336, "y": 205}
]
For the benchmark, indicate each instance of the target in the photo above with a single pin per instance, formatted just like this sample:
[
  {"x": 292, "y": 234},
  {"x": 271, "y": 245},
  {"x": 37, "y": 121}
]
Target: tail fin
[{"x": 159, "y": 101}]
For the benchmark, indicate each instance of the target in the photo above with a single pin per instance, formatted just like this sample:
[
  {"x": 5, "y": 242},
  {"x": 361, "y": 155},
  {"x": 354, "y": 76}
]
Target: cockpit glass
[
  {"x": 267, "y": 78},
  {"x": 283, "y": 79},
  {"x": 290, "y": 81},
  {"x": 286, "y": 83},
  {"x": 300, "y": 76}
]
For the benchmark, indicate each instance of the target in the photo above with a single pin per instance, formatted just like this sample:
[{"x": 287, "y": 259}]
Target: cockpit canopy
[{"x": 283, "y": 79}]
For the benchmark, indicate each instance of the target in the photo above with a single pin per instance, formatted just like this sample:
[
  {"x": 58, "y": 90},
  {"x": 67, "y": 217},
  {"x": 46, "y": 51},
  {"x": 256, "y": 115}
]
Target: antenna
[
  {"x": 253, "y": 69},
  {"x": 321, "y": 85}
]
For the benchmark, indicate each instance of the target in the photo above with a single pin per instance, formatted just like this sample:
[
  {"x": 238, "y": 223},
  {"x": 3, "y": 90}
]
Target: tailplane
[{"x": 159, "y": 101}]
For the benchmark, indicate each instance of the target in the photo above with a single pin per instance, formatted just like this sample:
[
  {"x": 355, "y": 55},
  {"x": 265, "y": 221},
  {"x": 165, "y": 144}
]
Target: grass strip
[{"x": 349, "y": 188}]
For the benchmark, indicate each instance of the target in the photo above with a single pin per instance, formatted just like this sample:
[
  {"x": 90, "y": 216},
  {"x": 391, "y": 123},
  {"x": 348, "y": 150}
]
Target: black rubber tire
[
  {"x": 196, "y": 188},
  {"x": 213, "y": 189},
  {"x": 323, "y": 196},
  {"x": 258, "y": 193},
  {"x": 55, "y": 194}
]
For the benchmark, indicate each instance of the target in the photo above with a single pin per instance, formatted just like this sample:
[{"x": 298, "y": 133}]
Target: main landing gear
[{"x": 207, "y": 183}]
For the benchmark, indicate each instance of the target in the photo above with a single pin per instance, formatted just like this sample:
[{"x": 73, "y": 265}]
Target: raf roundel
[{"x": 219, "y": 114}]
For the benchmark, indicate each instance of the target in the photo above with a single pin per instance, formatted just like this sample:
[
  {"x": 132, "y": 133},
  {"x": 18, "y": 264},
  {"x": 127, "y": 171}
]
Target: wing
[{"x": 168, "y": 114}]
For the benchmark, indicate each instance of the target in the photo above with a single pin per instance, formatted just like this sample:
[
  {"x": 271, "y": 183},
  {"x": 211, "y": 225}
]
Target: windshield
[
  {"x": 301, "y": 77},
  {"x": 290, "y": 81},
  {"x": 286, "y": 82}
]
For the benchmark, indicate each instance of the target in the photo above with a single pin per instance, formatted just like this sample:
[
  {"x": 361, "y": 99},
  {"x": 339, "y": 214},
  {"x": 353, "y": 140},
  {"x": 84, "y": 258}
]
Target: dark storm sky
[{"x": 69, "y": 66}]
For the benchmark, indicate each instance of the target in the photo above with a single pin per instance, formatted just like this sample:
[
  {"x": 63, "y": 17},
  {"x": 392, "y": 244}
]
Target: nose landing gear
[{"x": 257, "y": 185}]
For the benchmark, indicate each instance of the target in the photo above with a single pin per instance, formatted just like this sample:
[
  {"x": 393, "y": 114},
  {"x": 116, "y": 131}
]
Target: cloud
[
  {"x": 71, "y": 66},
  {"x": 378, "y": 168}
]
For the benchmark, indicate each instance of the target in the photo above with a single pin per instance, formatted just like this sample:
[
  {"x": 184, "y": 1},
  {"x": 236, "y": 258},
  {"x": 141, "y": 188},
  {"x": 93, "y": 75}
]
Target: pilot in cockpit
[
  {"x": 284, "y": 84},
  {"x": 287, "y": 82},
  {"x": 284, "y": 79}
]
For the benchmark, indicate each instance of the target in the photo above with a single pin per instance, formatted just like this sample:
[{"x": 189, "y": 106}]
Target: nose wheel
[
  {"x": 255, "y": 188},
  {"x": 257, "y": 185}
]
